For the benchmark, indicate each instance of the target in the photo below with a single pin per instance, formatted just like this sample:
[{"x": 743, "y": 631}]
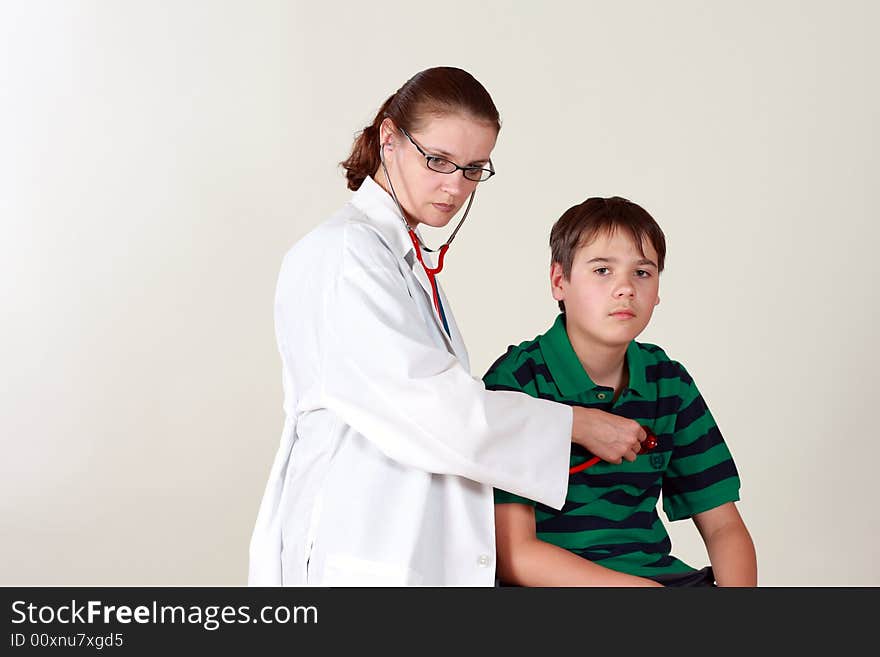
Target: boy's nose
[{"x": 624, "y": 291}]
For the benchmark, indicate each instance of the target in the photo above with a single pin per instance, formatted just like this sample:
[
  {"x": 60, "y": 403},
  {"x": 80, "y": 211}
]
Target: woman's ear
[{"x": 387, "y": 134}]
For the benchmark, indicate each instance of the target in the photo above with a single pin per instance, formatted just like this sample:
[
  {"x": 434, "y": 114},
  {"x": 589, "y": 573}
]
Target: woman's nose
[{"x": 453, "y": 183}]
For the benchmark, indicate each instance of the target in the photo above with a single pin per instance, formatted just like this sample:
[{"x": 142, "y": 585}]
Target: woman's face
[{"x": 427, "y": 196}]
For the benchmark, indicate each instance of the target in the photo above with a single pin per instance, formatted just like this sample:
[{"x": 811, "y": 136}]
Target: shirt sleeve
[
  {"x": 701, "y": 473},
  {"x": 384, "y": 376}
]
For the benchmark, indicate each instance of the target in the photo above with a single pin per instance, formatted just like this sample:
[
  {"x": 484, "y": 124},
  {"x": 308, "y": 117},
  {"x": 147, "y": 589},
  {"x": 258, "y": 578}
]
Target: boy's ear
[
  {"x": 657, "y": 301},
  {"x": 556, "y": 278}
]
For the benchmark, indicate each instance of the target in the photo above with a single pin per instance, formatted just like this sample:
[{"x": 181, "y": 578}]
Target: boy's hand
[{"x": 610, "y": 437}]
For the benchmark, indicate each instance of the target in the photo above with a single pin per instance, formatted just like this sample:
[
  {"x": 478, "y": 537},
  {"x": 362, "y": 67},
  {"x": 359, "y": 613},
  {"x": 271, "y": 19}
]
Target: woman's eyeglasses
[{"x": 442, "y": 165}]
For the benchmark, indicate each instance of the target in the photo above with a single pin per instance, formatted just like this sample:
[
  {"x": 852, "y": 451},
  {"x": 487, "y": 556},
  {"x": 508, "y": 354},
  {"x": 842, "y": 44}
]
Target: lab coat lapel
[
  {"x": 458, "y": 347},
  {"x": 381, "y": 212}
]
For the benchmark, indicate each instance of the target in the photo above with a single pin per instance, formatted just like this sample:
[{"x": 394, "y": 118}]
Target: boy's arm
[
  {"x": 525, "y": 560},
  {"x": 729, "y": 544}
]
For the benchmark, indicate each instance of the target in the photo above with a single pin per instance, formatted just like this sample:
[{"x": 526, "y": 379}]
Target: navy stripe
[
  {"x": 651, "y": 410},
  {"x": 687, "y": 416},
  {"x": 702, "y": 444},
  {"x": 602, "y": 406},
  {"x": 569, "y": 523},
  {"x": 613, "y": 496},
  {"x": 665, "y": 441},
  {"x": 501, "y": 386},
  {"x": 689, "y": 483},
  {"x": 625, "y": 499},
  {"x": 527, "y": 372},
  {"x": 667, "y": 370},
  {"x": 618, "y": 497},
  {"x": 495, "y": 365},
  {"x": 637, "y": 479}
]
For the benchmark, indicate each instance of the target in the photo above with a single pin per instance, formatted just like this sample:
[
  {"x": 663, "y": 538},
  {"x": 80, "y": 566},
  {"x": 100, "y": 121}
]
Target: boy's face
[{"x": 611, "y": 293}]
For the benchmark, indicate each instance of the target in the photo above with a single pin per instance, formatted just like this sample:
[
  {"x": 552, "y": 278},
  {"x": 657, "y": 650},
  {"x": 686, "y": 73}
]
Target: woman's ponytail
[{"x": 364, "y": 158}]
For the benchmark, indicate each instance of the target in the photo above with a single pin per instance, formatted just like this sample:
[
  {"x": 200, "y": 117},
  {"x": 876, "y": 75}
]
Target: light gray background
[{"x": 158, "y": 158}]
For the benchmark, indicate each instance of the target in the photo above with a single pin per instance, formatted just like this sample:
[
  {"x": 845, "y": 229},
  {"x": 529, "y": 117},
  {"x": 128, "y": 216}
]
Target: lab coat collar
[
  {"x": 383, "y": 214},
  {"x": 378, "y": 205}
]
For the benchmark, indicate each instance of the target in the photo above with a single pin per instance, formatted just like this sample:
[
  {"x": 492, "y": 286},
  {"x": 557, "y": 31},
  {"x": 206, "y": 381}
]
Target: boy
[{"x": 606, "y": 258}]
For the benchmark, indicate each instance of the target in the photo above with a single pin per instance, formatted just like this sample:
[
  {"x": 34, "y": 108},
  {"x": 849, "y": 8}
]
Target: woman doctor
[{"x": 390, "y": 447}]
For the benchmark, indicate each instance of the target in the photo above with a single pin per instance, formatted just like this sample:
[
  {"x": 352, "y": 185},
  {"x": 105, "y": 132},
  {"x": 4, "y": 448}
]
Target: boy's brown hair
[{"x": 581, "y": 223}]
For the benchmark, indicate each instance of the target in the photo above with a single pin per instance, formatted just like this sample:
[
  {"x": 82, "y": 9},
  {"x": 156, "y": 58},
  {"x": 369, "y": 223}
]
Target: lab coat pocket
[{"x": 346, "y": 570}]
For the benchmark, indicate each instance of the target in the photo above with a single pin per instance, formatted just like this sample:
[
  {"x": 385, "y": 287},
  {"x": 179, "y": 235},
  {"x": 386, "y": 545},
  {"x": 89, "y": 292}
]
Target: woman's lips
[{"x": 444, "y": 207}]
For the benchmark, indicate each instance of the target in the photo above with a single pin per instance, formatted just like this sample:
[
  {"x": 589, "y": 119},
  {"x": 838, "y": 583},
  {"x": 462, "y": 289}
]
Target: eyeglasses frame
[{"x": 464, "y": 170}]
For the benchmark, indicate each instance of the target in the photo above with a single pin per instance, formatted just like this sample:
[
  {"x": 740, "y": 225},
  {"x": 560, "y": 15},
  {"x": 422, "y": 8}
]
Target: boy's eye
[
  {"x": 641, "y": 273},
  {"x": 602, "y": 271}
]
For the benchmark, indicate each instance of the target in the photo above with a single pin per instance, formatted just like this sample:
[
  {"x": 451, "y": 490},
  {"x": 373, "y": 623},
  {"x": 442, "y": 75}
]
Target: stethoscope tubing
[{"x": 418, "y": 245}]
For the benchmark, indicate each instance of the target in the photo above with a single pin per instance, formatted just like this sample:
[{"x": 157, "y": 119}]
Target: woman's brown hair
[{"x": 435, "y": 91}]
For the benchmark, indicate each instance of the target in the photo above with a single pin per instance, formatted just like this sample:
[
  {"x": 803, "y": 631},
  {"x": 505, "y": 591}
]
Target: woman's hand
[{"x": 610, "y": 437}]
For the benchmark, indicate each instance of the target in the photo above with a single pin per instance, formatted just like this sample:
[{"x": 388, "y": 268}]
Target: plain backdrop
[{"x": 157, "y": 159}]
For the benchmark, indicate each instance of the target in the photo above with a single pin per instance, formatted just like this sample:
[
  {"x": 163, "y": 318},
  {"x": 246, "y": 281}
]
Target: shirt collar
[
  {"x": 383, "y": 214},
  {"x": 566, "y": 368}
]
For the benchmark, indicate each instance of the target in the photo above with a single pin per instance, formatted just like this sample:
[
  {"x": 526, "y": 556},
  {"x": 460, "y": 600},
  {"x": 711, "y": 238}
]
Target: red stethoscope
[
  {"x": 433, "y": 271},
  {"x": 648, "y": 444},
  {"x": 419, "y": 246}
]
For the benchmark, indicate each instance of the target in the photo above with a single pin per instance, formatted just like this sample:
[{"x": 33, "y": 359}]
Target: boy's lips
[{"x": 622, "y": 313}]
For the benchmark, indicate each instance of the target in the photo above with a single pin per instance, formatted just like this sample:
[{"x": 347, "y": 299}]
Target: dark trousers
[{"x": 702, "y": 577}]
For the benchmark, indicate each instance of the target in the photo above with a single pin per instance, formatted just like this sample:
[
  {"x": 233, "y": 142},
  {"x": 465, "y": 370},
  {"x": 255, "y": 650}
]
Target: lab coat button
[{"x": 483, "y": 560}]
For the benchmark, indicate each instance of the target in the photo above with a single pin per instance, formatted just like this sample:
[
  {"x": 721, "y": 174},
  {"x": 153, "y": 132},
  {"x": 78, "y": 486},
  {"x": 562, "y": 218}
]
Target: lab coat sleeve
[{"x": 385, "y": 377}]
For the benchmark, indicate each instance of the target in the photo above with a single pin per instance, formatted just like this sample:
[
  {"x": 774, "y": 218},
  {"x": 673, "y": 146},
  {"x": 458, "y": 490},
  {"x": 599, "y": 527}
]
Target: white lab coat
[{"x": 390, "y": 447}]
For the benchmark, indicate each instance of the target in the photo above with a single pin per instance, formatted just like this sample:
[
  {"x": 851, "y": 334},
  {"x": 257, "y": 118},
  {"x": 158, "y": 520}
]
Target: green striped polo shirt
[{"x": 610, "y": 513}]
